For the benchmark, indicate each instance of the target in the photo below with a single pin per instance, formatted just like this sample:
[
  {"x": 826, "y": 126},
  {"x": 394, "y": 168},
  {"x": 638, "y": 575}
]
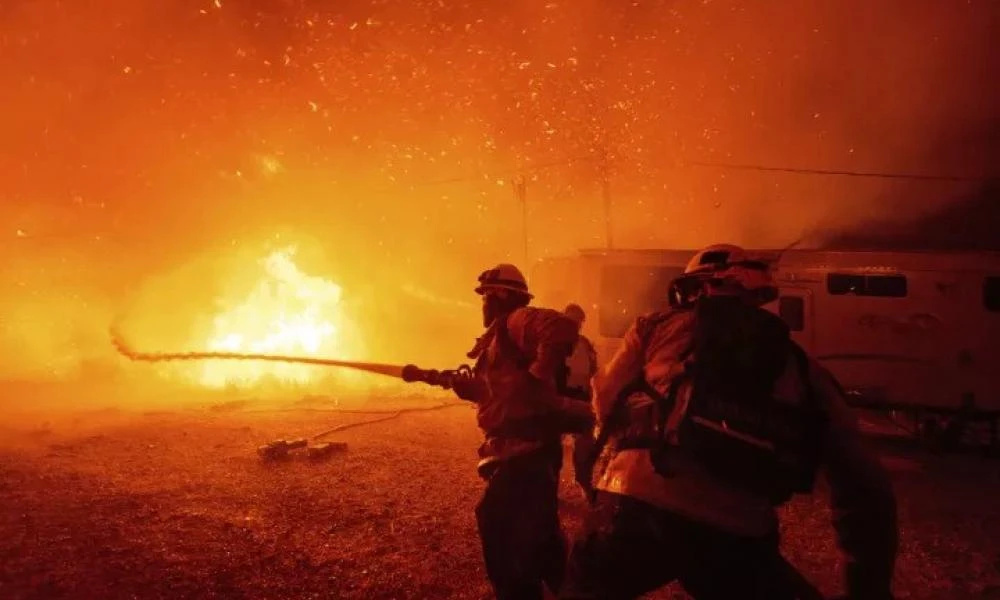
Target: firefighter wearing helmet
[
  {"x": 724, "y": 269},
  {"x": 714, "y": 417},
  {"x": 523, "y": 416}
]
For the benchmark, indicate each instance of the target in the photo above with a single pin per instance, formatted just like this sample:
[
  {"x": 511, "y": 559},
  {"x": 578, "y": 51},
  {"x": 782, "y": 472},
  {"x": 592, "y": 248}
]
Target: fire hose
[
  {"x": 279, "y": 449},
  {"x": 408, "y": 373}
]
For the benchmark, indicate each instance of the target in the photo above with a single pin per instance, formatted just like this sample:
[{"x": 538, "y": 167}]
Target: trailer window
[
  {"x": 629, "y": 291},
  {"x": 792, "y": 310},
  {"x": 991, "y": 294},
  {"x": 886, "y": 286}
]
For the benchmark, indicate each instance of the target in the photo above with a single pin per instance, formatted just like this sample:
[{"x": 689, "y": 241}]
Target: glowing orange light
[{"x": 286, "y": 312}]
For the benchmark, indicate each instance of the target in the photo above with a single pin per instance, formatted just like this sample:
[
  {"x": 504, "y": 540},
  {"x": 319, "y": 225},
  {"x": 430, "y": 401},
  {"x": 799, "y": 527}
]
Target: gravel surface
[{"x": 176, "y": 504}]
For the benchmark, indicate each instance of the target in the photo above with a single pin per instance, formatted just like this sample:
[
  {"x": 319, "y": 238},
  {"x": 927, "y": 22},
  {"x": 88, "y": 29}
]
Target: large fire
[{"x": 286, "y": 312}]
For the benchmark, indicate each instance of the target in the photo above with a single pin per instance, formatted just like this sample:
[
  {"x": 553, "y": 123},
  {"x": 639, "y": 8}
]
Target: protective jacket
[
  {"x": 864, "y": 510},
  {"x": 518, "y": 406}
]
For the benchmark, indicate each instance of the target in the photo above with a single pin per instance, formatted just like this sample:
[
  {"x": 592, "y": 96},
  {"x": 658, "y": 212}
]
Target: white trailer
[{"x": 916, "y": 332}]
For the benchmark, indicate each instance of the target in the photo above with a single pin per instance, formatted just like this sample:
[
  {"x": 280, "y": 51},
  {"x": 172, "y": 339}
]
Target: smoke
[
  {"x": 54, "y": 312},
  {"x": 388, "y": 131}
]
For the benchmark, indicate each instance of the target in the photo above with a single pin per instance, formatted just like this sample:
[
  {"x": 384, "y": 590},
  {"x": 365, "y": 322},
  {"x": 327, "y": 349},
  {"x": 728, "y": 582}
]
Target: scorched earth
[{"x": 170, "y": 502}]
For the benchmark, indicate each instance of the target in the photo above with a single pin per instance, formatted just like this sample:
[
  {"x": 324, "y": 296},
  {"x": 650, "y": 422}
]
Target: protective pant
[
  {"x": 518, "y": 519},
  {"x": 629, "y": 548}
]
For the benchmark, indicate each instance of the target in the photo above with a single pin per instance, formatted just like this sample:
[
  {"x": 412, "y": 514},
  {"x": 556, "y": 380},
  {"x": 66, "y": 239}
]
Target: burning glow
[{"x": 286, "y": 312}]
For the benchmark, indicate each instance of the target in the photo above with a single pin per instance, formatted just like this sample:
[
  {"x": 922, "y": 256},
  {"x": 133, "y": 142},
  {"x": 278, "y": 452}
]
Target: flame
[{"x": 286, "y": 312}]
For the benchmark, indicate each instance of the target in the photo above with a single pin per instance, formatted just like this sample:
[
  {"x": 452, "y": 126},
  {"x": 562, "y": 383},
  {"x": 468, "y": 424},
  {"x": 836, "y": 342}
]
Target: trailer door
[{"x": 795, "y": 307}]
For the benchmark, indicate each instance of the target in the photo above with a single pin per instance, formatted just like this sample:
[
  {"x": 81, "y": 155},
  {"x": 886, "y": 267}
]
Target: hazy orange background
[{"x": 150, "y": 152}]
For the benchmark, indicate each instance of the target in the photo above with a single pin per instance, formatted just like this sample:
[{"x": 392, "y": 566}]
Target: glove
[{"x": 467, "y": 388}]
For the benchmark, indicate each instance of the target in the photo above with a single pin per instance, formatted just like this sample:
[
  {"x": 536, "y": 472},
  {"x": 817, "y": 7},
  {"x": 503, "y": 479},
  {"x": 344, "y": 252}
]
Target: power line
[
  {"x": 505, "y": 173},
  {"x": 843, "y": 173}
]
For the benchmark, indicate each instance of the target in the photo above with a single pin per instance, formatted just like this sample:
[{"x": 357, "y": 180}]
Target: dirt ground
[{"x": 174, "y": 503}]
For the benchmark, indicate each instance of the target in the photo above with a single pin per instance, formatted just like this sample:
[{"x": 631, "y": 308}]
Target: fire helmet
[
  {"x": 503, "y": 277},
  {"x": 728, "y": 269}
]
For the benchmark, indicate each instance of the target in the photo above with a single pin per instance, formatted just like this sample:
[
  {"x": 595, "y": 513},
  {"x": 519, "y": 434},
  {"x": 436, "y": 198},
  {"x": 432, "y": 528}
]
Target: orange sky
[{"x": 139, "y": 137}]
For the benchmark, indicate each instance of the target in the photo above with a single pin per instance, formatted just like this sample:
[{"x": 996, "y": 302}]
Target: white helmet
[
  {"x": 729, "y": 268},
  {"x": 503, "y": 277}
]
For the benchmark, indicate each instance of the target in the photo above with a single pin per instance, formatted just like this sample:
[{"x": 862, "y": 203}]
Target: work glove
[{"x": 469, "y": 389}]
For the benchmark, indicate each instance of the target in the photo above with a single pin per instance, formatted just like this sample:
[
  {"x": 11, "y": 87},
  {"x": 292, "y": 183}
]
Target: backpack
[
  {"x": 733, "y": 425},
  {"x": 543, "y": 427}
]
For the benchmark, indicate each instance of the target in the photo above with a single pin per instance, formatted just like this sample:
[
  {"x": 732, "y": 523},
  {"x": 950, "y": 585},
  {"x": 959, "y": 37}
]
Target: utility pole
[
  {"x": 606, "y": 197},
  {"x": 519, "y": 184}
]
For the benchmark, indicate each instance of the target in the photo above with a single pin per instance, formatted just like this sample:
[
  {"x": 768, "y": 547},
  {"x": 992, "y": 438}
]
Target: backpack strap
[
  {"x": 664, "y": 402},
  {"x": 508, "y": 347}
]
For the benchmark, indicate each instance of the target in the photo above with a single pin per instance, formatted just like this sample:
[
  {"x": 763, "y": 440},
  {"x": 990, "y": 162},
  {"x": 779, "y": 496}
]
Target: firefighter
[
  {"x": 582, "y": 363},
  {"x": 523, "y": 417},
  {"x": 715, "y": 417},
  {"x": 581, "y": 367}
]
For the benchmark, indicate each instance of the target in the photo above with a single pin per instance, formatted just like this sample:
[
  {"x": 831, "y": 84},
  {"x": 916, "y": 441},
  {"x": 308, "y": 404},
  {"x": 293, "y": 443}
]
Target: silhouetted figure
[
  {"x": 523, "y": 417},
  {"x": 715, "y": 417},
  {"x": 580, "y": 368}
]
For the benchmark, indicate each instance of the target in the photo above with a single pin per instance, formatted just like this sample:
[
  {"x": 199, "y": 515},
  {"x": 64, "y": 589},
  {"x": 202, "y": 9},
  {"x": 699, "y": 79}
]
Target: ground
[{"x": 173, "y": 502}]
